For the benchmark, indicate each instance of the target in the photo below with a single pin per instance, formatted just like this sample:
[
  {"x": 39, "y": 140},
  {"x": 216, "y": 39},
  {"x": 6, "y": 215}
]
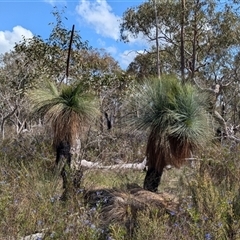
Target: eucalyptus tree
[
  {"x": 144, "y": 65},
  {"x": 228, "y": 103},
  {"x": 211, "y": 32},
  {"x": 177, "y": 121},
  {"x": 35, "y": 59},
  {"x": 68, "y": 110},
  {"x": 206, "y": 32},
  {"x": 148, "y": 20}
]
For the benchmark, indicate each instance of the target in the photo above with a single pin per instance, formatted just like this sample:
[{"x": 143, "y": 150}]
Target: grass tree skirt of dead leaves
[{"x": 123, "y": 206}]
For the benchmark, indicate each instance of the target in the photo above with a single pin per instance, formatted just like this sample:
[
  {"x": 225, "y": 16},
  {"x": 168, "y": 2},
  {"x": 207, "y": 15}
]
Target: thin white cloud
[
  {"x": 140, "y": 41},
  {"x": 9, "y": 38},
  {"x": 123, "y": 58},
  {"x": 100, "y": 16},
  {"x": 127, "y": 57},
  {"x": 109, "y": 49},
  {"x": 112, "y": 50},
  {"x": 54, "y": 2}
]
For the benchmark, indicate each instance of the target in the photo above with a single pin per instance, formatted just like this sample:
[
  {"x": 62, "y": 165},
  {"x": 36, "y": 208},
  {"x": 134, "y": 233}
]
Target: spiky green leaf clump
[
  {"x": 176, "y": 117},
  {"x": 68, "y": 109}
]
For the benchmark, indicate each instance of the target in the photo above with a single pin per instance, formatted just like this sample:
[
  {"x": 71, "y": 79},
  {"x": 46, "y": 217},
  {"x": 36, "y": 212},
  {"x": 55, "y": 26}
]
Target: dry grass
[
  {"x": 119, "y": 209},
  {"x": 192, "y": 203}
]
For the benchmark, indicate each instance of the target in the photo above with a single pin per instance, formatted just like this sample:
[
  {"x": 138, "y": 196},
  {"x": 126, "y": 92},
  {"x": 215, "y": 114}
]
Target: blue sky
[{"x": 97, "y": 21}]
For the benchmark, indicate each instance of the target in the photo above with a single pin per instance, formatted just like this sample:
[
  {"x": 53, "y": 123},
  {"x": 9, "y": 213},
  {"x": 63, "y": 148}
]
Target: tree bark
[
  {"x": 194, "y": 46},
  {"x": 182, "y": 48},
  {"x": 157, "y": 42},
  {"x": 4, "y": 119}
]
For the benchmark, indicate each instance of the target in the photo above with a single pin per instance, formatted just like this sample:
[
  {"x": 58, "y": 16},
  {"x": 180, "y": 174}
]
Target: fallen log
[
  {"x": 97, "y": 165},
  {"x": 135, "y": 166}
]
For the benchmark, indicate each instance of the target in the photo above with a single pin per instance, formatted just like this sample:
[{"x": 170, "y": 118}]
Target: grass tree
[
  {"x": 175, "y": 116},
  {"x": 68, "y": 109}
]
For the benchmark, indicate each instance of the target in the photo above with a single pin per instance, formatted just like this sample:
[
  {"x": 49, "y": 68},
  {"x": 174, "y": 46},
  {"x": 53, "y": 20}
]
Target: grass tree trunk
[
  {"x": 155, "y": 163},
  {"x": 63, "y": 158},
  {"x": 153, "y": 175},
  {"x": 152, "y": 180},
  {"x": 71, "y": 177}
]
